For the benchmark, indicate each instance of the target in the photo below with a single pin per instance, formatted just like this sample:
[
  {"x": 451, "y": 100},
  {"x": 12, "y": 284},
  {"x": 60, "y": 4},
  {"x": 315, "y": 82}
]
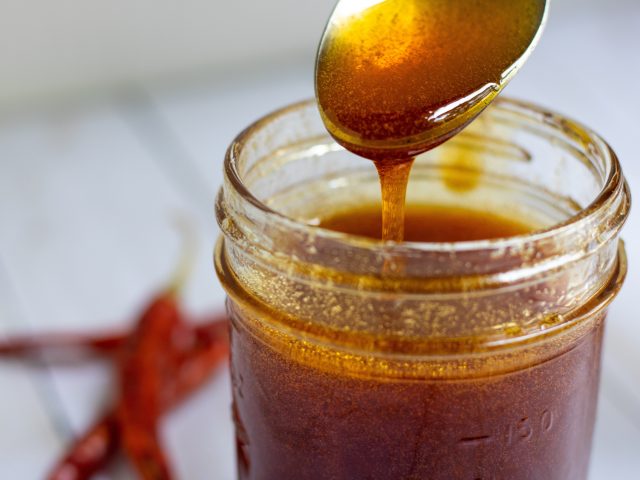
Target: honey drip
[{"x": 393, "y": 184}]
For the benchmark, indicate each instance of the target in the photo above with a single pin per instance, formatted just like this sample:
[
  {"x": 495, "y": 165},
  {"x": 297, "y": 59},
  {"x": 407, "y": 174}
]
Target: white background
[{"x": 116, "y": 114}]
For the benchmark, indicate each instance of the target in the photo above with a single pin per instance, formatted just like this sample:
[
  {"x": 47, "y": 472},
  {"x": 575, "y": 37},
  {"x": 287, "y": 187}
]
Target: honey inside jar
[
  {"x": 306, "y": 410},
  {"x": 344, "y": 412},
  {"x": 314, "y": 413}
]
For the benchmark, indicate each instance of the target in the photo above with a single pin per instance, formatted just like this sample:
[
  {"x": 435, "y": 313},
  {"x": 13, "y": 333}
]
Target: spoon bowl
[{"x": 395, "y": 78}]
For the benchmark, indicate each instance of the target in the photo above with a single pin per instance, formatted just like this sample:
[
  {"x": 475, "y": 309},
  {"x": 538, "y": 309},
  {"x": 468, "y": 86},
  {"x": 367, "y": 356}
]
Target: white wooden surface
[{"x": 86, "y": 198}]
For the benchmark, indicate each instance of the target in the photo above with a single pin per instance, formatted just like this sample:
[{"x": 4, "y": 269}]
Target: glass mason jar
[{"x": 357, "y": 359}]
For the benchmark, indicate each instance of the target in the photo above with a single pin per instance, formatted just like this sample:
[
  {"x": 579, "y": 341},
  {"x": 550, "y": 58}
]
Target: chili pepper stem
[{"x": 186, "y": 262}]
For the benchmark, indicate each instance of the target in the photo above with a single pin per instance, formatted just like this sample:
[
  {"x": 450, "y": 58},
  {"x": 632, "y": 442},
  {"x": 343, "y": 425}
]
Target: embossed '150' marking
[{"x": 521, "y": 430}]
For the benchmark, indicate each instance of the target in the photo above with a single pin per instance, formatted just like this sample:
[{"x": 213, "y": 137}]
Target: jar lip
[{"x": 614, "y": 185}]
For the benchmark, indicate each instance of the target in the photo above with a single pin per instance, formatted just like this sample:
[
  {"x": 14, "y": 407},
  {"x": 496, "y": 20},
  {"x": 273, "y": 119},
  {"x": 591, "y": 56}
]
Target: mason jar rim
[{"x": 614, "y": 186}]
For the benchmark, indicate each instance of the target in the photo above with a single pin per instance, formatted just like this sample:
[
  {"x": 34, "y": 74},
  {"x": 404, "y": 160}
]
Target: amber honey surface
[{"x": 429, "y": 223}]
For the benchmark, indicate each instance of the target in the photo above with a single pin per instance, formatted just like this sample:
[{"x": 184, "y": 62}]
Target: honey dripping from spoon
[{"x": 396, "y": 78}]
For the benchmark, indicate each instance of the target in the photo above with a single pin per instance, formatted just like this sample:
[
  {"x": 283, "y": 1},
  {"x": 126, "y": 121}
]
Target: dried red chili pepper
[
  {"x": 147, "y": 361},
  {"x": 94, "y": 449},
  {"x": 90, "y": 453},
  {"x": 62, "y": 348},
  {"x": 160, "y": 363},
  {"x": 75, "y": 348}
]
